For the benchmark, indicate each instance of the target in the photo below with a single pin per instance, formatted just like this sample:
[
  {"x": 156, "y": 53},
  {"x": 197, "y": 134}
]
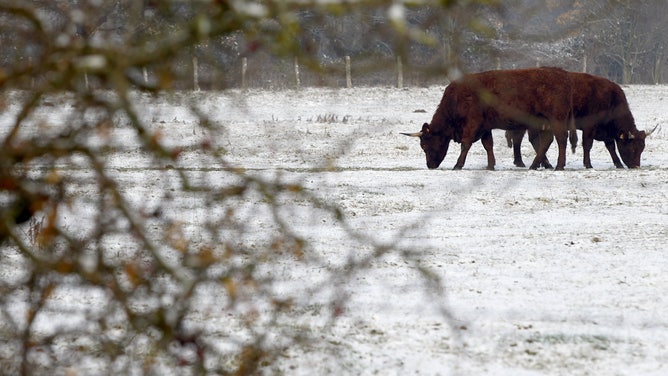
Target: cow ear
[
  {"x": 425, "y": 128},
  {"x": 642, "y": 135}
]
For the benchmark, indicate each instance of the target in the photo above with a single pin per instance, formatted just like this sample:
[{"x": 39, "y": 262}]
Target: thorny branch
[{"x": 138, "y": 286}]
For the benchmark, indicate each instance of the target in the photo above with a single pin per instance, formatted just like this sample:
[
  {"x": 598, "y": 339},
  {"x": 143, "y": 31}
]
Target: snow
[{"x": 545, "y": 273}]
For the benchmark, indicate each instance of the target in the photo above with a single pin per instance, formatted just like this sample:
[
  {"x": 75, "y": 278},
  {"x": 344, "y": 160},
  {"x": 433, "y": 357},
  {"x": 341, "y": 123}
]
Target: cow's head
[
  {"x": 631, "y": 145},
  {"x": 435, "y": 145}
]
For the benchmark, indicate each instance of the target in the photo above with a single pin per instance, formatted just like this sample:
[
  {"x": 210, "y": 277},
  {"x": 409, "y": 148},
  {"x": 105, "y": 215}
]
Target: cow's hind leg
[
  {"x": 535, "y": 139},
  {"x": 488, "y": 144},
  {"x": 561, "y": 134},
  {"x": 510, "y": 138},
  {"x": 541, "y": 142},
  {"x": 587, "y": 143}
]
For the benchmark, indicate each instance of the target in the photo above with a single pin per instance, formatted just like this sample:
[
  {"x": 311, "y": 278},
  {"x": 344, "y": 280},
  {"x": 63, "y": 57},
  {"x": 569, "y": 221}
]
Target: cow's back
[
  {"x": 503, "y": 99},
  {"x": 600, "y": 102},
  {"x": 544, "y": 93}
]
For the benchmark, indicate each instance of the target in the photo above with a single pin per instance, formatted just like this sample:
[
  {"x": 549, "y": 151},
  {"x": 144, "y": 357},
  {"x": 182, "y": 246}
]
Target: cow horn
[
  {"x": 652, "y": 131},
  {"x": 415, "y": 134}
]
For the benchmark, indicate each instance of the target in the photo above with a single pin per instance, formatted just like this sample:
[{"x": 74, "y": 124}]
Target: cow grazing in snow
[
  {"x": 538, "y": 100},
  {"x": 602, "y": 113}
]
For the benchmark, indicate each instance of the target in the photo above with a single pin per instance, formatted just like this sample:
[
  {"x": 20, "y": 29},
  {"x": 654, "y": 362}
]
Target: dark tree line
[{"x": 620, "y": 39}]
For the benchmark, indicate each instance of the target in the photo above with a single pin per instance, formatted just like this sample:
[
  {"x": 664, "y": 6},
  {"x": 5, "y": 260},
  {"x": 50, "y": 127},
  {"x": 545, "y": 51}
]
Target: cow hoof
[
  {"x": 457, "y": 168},
  {"x": 589, "y": 166},
  {"x": 490, "y": 168},
  {"x": 520, "y": 164},
  {"x": 559, "y": 168}
]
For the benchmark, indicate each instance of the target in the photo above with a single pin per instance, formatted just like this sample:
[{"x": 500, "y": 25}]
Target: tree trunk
[{"x": 627, "y": 73}]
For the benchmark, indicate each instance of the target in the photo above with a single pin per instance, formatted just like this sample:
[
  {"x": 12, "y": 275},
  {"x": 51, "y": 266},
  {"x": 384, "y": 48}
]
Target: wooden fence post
[
  {"x": 32, "y": 77},
  {"x": 195, "y": 74},
  {"x": 299, "y": 84},
  {"x": 584, "y": 64},
  {"x": 244, "y": 70},
  {"x": 349, "y": 81},
  {"x": 400, "y": 73}
]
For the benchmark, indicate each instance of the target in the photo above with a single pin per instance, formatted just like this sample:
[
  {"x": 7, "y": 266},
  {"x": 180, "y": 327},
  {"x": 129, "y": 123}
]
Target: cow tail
[{"x": 572, "y": 132}]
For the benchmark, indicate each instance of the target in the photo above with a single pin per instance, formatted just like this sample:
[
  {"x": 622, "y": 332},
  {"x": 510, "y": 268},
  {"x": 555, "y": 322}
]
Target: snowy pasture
[{"x": 545, "y": 273}]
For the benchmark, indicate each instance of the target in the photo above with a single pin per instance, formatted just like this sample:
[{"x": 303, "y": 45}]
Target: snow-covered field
[{"x": 545, "y": 272}]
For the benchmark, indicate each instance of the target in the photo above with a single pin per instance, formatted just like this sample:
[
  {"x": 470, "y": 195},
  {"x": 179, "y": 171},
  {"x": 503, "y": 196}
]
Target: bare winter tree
[{"x": 623, "y": 40}]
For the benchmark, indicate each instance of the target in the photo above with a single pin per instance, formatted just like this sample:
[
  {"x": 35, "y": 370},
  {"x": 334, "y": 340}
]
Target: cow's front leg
[
  {"x": 610, "y": 145},
  {"x": 462, "y": 155},
  {"x": 488, "y": 144}
]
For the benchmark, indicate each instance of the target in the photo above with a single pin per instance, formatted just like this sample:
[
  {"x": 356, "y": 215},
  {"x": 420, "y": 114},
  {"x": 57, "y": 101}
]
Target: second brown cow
[{"x": 602, "y": 113}]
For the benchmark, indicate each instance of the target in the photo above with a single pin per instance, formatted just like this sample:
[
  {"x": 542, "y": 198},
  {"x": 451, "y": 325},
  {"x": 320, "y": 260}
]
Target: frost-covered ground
[{"x": 546, "y": 272}]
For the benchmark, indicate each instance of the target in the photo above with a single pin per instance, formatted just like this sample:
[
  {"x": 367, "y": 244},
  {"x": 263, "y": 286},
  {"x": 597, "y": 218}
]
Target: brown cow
[
  {"x": 535, "y": 99},
  {"x": 602, "y": 113}
]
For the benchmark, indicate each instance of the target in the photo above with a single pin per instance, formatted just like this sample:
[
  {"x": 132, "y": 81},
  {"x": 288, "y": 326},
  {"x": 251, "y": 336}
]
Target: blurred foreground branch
[{"x": 118, "y": 254}]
